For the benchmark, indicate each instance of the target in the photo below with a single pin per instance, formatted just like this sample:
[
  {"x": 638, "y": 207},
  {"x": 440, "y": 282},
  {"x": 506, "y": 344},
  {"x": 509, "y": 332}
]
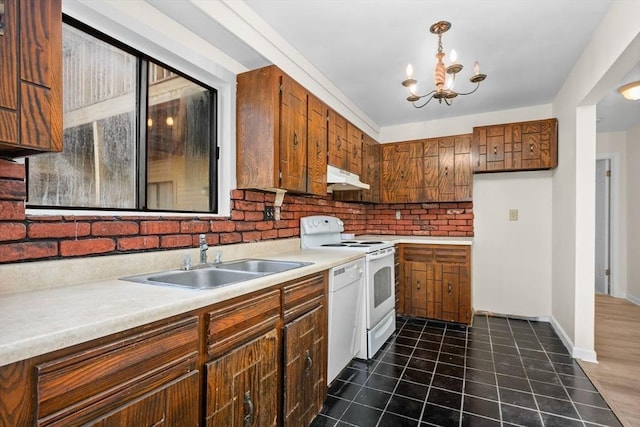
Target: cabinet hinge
[
  {"x": 607, "y": 173},
  {"x": 606, "y": 272},
  {"x": 280, "y": 177}
]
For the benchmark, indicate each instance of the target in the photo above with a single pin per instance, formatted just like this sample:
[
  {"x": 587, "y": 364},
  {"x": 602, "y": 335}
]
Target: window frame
[{"x": 141, "y": 108}]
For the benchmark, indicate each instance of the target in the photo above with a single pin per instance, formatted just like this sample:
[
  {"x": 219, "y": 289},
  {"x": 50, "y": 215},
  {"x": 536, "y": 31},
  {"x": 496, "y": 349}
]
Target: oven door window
[{"x": 382, "y": 283}]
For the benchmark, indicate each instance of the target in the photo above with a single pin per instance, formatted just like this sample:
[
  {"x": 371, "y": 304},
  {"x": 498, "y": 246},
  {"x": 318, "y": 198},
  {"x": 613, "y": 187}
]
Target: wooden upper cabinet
[
  {"x": 427, "y": 170},
  {"x": 402, "y": 172},
  {"x": 515, "y": 146},
  {"x": 293, "y": 136},
  {"x": 371, "y": 166},
  {"x": 317, "y": 146},
  {"x": 354, "y": 149},
  {"x": 281, "y": 134},
  {"x": 338, "y": 144},
  {"x": 31, "y": 78}
]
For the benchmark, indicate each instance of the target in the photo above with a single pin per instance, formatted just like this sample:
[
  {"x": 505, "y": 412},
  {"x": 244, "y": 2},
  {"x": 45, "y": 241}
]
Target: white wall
[
  {"x": 512, "y": 259},
  {"x": 633, "y": 214},
  {"x": 610, "y": 55},
  {"x": 613, "y": 146}
]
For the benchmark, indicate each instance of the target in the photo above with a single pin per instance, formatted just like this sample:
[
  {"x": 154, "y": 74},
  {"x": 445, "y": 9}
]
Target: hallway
[{"x": 617, "y": 344}]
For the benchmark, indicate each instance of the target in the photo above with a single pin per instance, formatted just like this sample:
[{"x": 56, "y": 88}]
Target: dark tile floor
[{"x": 499, "y": 372}]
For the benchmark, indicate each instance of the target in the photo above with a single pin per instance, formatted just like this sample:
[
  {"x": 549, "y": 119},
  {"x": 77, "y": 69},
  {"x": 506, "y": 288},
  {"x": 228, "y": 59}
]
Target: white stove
[
  {"x": 325, "y": 231},
  {"x": 376, "y": 323}
]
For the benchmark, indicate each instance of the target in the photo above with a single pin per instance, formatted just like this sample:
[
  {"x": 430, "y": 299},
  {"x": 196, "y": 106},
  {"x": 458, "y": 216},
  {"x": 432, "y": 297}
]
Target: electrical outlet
[
  {"x": 398, "y": 214},
  {"x": 513, "y": 214},
  {"x": 269, "y": 214}
]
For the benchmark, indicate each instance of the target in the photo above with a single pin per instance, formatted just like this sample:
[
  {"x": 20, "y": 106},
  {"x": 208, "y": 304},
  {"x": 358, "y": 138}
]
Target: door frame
[{"x": 614, "y": 222}]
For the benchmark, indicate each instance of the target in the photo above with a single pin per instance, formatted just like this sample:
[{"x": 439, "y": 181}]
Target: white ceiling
[{"x": 527, "y": 48}]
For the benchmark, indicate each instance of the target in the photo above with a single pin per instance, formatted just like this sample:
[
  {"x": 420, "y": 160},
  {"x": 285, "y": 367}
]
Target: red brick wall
[{"x": 38, "y": 237}]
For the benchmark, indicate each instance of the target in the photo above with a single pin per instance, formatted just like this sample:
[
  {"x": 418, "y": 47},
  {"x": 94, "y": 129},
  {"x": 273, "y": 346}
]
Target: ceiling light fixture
[
  {"x": 631, "y": 91},
  {"x": 444, "y": 76}
]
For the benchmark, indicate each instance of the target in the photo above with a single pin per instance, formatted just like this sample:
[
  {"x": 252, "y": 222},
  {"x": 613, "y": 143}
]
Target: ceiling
[{"x": 527, "y": 48}]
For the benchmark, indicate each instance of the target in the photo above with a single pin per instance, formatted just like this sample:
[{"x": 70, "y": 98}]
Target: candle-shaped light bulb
[
  {"x": 409, "y": 71},
  {"x": 412, "y": 89},
  {"x": 476, "y": 68},
  {"x": 448, "y": 83},
  {"x": 454, "y": 56}
]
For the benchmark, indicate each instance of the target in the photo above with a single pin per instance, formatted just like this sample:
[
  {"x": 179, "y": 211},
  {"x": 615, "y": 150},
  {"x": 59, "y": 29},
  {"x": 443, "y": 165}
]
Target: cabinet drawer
[
  {"x": 242, "y": 320},
  {"x": 303, "y": 295},
  {"x": 449, "y": 254},
  {"x": 94, "y": 382}
]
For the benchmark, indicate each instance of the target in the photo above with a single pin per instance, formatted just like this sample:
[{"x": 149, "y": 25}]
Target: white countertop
[
  {"x": 44, "y": 319},
  {"x": 425, "y": 240}
]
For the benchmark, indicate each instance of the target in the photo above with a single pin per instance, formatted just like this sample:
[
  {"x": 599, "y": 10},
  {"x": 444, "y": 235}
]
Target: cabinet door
[
  {"x": 304, "y": 376},
  {"x": 450, "y": 292},
  {"x": 354, "y": 151},
  {"x": 317, "y": 147},
  {"x": 35, "y": 27},
  {"x": 293, "y": 136},
  {"x": 446, "y": 170},
  {"x": 402, "y": 172},
  {"x": 431, "y": 169},
  {"x": 416, "y": 289},
  {"x": 463, "y": 175},
  {"x": 338, "y": 143},
  {"x": 242, "y": 386}
]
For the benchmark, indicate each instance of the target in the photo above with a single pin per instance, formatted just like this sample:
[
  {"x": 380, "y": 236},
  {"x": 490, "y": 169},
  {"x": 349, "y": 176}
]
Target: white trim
[
  {"x": 108, "y": 213},
  {"x": 633, "y": 299},
  {"x": 614, "y": 223},
  {"x": 576, "y": 352}
]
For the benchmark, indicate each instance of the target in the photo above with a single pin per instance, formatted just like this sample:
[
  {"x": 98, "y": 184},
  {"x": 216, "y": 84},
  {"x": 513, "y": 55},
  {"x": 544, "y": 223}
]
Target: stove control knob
[{"x": 316, "y": 222}]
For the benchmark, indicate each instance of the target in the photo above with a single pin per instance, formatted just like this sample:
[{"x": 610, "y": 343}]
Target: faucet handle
[{"x": 217, "y": 257}]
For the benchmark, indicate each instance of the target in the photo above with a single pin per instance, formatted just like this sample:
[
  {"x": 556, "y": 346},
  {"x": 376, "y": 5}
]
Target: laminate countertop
[{"x": 45, "y": 317}]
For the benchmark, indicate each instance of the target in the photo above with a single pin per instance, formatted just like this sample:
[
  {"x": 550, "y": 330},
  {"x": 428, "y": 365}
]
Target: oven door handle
[{"x": 380, "y": 254}]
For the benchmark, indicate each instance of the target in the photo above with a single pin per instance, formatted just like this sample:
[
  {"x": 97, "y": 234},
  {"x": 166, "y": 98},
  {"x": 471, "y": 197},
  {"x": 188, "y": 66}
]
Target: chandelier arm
[
  {"x": 469, "y": 93},
  {"x": 428, "y": 100}
]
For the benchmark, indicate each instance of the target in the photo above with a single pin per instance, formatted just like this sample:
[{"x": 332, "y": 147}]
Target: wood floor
[{"x": 617, "y": 344}]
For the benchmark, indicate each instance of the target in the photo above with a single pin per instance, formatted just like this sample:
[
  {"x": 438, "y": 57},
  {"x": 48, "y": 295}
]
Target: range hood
[{"x": 341, "y": 180}]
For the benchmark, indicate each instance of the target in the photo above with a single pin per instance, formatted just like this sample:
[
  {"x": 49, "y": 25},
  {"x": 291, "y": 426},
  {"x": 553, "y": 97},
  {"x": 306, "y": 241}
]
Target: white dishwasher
[{"x": 346, "y": 304}]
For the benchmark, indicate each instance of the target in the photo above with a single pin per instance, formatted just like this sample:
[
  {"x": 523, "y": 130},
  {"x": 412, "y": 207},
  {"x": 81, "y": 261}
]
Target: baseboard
[
  {"x": 576, "y": 352},
  {"x": 632, "y": 298}
]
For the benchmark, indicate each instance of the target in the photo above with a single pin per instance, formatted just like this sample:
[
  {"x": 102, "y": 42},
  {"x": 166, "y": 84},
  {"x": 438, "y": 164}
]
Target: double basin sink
[{"x": 211, "y": 276}]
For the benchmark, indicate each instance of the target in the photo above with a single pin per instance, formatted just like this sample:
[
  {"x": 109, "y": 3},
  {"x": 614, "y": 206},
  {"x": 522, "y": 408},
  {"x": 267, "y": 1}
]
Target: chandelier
[{"x": 444, "y": 76}]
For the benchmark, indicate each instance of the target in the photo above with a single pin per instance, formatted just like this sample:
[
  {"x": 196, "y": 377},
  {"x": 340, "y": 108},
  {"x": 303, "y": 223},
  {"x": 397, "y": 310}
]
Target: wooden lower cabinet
[
  {"x": 305, "y": 350},
  {"x": 243, "y": 374},
  {"x": 242, "y": 386},
  {"x": 436, "y": 282},
  {"x": 256, "y": 360},
  {"x": 149, "y": 378}
]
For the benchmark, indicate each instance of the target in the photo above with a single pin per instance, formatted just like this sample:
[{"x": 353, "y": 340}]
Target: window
[{"x": 137, "y": 134}]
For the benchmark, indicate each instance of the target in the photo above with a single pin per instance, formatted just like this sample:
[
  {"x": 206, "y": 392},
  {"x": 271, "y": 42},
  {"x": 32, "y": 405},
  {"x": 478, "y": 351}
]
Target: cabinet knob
[
  {"x": 531, "y": 148},
  {"x": 418, "y": 285},
  {"x": 309, "y": 360},
  {"x": 450, "y": 287},
  {"x": 495, "y": 149},
  {"x": 248, "y": 409}
]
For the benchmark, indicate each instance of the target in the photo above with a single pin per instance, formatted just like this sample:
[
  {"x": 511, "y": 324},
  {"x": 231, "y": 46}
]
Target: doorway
[{"x": 603, "y": 227}]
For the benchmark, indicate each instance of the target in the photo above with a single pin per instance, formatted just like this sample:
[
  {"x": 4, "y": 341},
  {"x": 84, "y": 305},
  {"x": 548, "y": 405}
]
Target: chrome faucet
[{"x": 203, "y": 249}]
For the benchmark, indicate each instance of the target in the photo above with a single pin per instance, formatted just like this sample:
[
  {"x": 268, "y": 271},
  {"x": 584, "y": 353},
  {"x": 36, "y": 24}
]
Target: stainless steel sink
[
  {"x": 261, "y": 265},
  {"x": 211, "y": 276}
]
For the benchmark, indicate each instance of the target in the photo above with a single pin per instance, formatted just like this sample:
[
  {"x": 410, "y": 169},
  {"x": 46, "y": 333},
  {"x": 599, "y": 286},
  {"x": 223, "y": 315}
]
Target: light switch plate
[
  {"x": 513, "y": 214},
  {"x": 398, "y": 214}
]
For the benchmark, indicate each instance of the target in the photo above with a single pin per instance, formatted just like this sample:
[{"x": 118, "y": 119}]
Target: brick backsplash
[{"x": 38, "y": 237}]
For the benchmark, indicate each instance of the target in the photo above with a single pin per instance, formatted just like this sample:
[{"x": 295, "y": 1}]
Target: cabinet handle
[
  {"x": 446, "y": 170},
  {"x": 531, "y": 148},
  {"x": 248, "y": 405},
  {"x": 295, "y": 139},
  {"x": 450, "y": 287},
  {"x": 309, "y": 360},
  {"x": 1, "y": 17},
  {"x": 495, "y": 149},
  {"x": 355, "y": 151},
  {"x": 339, "y": 143},
  {"x": 418, "y": 286}
]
